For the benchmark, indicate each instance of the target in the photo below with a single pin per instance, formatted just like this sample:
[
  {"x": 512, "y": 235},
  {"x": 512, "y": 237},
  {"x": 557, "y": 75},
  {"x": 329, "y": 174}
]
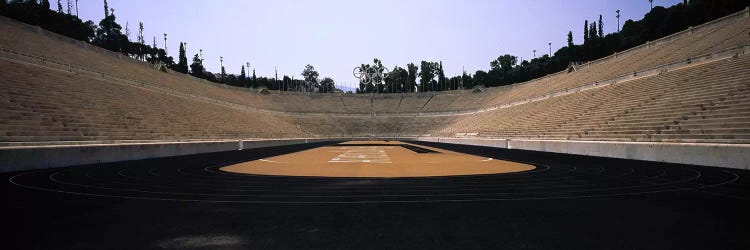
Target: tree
[
  {"x": 310, "y": 76},
  {"x": 372, "y": 81},
  {"x": 242, "y": 77},
  {"x": 466, "y": 81},
  {"x": 592, "y": 32},
  {"x": 586, "y": 32},
  {"x": 141, "y": 41},
  {"x": 196, "y": 68},
  {"x": 182, "y": 65},
  {"x": 411, "y": 80},
  {"x": 140, "y": 33},
  {"x": 571, "y": 46},
  {"x": 59, "y": 7},
  {"x": 481, "y": 78},
  {"x": 327, "y": 85},
  {"x": 442, "y": 82},
  {"x": 396, "y": 80},
  {"x": 109, "y": 35},
  {"x": 504, "y": 62},
  {"x": 601, "y": 27},
  {"x": 427, "y": 76},
  {"x": 127, "y": 30},
  {"x": 223, "y": 74},
  {"x": 106, "y": 8}
]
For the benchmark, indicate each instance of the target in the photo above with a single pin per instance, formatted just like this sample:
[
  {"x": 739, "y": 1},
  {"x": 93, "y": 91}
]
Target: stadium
[{"x": 644, "y": 148}]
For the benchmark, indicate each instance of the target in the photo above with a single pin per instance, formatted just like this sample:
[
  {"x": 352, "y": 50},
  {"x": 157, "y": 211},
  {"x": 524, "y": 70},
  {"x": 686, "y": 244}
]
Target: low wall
[
  {"x": 37, "y": 157},
  {"x": 716, "y": 155}
]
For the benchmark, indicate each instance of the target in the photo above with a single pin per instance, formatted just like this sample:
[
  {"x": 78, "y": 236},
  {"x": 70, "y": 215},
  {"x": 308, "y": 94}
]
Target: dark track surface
[{"x": 568, "y": 202}]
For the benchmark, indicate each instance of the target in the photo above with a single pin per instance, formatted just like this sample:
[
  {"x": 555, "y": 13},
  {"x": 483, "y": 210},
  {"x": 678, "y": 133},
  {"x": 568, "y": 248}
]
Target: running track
[{"x": 567, "y": 202}]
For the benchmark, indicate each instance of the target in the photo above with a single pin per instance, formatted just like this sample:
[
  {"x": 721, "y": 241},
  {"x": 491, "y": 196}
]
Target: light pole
[
  {"x": 534, "y": 53},
  {"x": 550, "y": 49},
  {"x": 200, "y": 55},
  {"x": 221, "y": 70},
  {"x": 247, "y": 72},
  {"x": 165, "y": 44},
  {"x": 651, "y": 2},
  {"x": 276, "y": 78},
  {"x": 618, "y": 20}
]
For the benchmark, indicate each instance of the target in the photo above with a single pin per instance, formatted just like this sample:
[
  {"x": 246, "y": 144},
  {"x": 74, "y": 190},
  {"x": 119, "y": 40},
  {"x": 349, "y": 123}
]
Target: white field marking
[
  {"x": 374, "y": 154},
  {"x": 268, "y": 160},
  {"x": 488, "y": 159}
]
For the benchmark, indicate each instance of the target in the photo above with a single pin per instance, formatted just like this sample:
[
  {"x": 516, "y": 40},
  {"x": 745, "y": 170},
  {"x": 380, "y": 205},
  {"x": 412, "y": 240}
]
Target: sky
[{"x": 336, "y": 36}]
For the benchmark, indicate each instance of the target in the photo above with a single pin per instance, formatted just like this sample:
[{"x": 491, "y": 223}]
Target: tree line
[{"x": 504, "y": 70}]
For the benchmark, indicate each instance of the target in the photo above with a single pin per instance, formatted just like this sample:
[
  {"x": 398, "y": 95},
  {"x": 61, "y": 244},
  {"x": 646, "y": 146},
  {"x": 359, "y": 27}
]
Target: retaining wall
[
  {"x": 38, "y": 157},
  {"x": 716, "y": 155}
]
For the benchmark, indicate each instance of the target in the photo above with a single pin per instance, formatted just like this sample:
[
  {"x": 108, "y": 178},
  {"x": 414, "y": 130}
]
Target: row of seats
[
  {"x": 42, "y": 105},
  {"x": 702, "y": 103}
]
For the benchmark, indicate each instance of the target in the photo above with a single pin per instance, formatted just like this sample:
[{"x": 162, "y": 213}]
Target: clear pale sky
[{"x": 336, "y": 36}]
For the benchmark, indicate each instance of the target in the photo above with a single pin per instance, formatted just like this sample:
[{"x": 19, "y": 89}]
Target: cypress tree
[
  {"x": 570, "y": 39},
  {"x": 601, "y": 27},
  {"x": 59, "y": 7},
  {"x": 586, "y": 32},
  {"x": 571, "y": 53},
  {"x": 106, "y": 9},
  {"x": 182, "y": 65},
  {"x": 223, "y": 73},
  {"x": 242, "y": 75},
  {"x": 592, "y": 31}
]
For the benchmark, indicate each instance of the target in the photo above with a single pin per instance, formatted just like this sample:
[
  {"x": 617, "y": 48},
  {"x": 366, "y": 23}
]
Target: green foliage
[
  {"x": 242, "y": 76},
  {"x": 601, "y": 27},
  {"x": 442, "y": 81},
  {"x": 481, "y": 78},
  {"x": 396, "y": 80},
  {"x": 196, "y": 68},
  {"x": 223, "y": 75},
  {"x": 182, "y": 65},
  {"x": 427, "y": 76},
  {"x": 310, "y": 74},
  {"x": 592, "y": 32},
  {"x": 586, "y": 32},
  {"x": 411, "y": 81},
  {"x": 467, "y": 81},
  {"x": 106, "y": 8},
  {"x": 376, "y": 84},
  {"x": 327, "y": 85}
]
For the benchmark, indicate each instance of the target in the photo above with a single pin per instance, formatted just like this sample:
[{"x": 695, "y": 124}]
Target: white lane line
[
  {"x": 488, "y": 159},
  {"x": 268, "y": 160}
]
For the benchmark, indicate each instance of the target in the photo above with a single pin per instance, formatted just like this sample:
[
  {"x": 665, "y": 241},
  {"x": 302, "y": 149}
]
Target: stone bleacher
[
  {"x": 702, "y": 102},
  {"x": 43, "y": 105}
]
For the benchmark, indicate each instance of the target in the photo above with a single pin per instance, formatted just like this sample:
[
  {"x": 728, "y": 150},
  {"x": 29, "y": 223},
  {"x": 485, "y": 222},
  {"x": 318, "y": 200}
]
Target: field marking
[
  {"x": 269, "y": 161},
  {"x": 370, "y": 154}
]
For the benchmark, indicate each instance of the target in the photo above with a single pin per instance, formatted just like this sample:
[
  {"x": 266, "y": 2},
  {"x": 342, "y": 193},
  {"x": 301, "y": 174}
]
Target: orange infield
[{"x": 375, "y": 159}]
